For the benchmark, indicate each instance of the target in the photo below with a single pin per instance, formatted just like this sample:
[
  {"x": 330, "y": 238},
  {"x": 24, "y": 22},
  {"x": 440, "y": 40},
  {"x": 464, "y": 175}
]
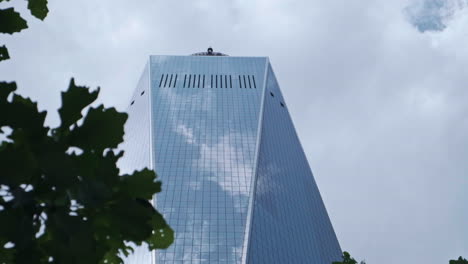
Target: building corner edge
[{"x": 250, "y": 207}]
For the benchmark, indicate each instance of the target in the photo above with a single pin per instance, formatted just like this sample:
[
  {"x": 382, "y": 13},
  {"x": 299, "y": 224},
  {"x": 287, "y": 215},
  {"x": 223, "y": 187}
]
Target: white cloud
[
  {"x": 187, "y": 133},
  {"x": 232, "y": 167}
]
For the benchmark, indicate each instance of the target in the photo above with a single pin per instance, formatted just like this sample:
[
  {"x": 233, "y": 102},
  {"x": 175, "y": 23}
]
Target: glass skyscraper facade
[{"x": 237, "y": 187}]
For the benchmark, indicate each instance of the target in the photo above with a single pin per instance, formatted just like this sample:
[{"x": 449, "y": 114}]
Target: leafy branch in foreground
[
  {"x": 11, "y": 21},
  {"x": 4, "y": 53},
  {"x": 460, "y": 260},
  {"x": 347, "y": 259},
  {"x": 62, "y": 199}
]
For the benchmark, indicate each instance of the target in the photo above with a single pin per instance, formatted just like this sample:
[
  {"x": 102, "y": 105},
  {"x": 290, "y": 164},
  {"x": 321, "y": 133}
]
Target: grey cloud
[
  {"x": 380, "y": 108},
  {"x": 433, "y": 15}
]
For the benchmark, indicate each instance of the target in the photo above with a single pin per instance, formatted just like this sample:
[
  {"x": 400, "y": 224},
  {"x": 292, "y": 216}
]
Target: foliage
[
  {"x": 4, "y": 53},
  {"x": 347, "y": 259},
  {"x": 61, "y": 193},
  {"x": 12, "y": 22},
  {"x": 62, "y": 198},
  {"x": 460, "y": 260},
  {"x": 38, "y": 8}
]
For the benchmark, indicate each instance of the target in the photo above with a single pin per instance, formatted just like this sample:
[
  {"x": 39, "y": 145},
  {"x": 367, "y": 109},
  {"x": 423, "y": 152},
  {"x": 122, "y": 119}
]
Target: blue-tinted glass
[
  {"x": 289, "y": 220},
  {"x": 204, "y": 138},
  {"x": 197, "y": 124}
]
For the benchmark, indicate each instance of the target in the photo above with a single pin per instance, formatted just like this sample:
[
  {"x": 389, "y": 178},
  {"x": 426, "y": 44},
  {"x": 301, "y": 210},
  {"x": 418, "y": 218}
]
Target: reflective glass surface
[
  {"x": 289, "y": 220},
  {"x": 196, "y": 120},
  {"x": 204, "y": 136}
]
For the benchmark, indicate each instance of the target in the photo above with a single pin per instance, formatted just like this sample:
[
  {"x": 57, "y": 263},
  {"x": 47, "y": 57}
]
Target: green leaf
[
  {"x": 140, "y": 184},
  {"x": 4, "y": 53},
  {"x": 11, "y": 21},
  {"x": 102, "y": 128},
  {"x": 5, "y": 90},
  {"x": 162, "y": 235},
  {"x": 74, "y": 100},
  {"x": 22, "y": 113},
  {"x": 18, "y": 163},
  {"x": 23, "y": 229},
  {"x": 9, "y": 217},
  {"x": 91, "y": 214},
  {"x": 58, "y": 168},
  {"x": 107, "y": 171},
  {"x": 93, "y": 194},
  {"x": 91, "y": 165},
  {"x": 460, "y": 260},
  {"x": 38, "y": 8},
  {"x": 6, "y": 254},
  {"x": 347, "y": 259},
  {"x": 72, "y": 239},
  {"x": 112, "y": 257},
  {"x": 132, "y": 218}
]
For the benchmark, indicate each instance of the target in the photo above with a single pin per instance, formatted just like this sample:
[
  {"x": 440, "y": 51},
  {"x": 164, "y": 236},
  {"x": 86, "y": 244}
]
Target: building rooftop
[{"x": 209, "y": 52}]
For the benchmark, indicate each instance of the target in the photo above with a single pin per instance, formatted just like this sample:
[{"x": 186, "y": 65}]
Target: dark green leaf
[
  {"x": 74, "y": 100},
  {"x": 460, "y": 260},
  {"x": 140, "y": 184},
  {"x": 91, "y": 165},
  {"x": 9, "y": 217},
  {"x": 11, "y": 21},
  {"x": 162, "y": 235},
  {"x": 18, "y": 163},
  {"x": 21, "y": 229},
  {"x": 132, "y": 219},
  {"x": 38, "y": 8},
  {"x": 102, "y": 128},
  {"x": 5, "y": 90},
  {"x": 108, "y": 172},
  {"x": 4, "y": 53},
  {"x": 347, "y": 259},
  {"x": 73, "y": 239},
  {"x": 91, "y": 214},
  {"x": 93, "y": 194},
  {"x": 22, "y": 198},
  {"x": 58, "y": 168},
  {"x": 6, "y": 254},
  {"x": 112, "y": 257},
  {"x": 22, "y": 113}
]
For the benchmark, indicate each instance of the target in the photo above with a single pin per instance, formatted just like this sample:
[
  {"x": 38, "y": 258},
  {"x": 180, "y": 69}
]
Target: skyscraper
[{"x": 237, "y": 187}]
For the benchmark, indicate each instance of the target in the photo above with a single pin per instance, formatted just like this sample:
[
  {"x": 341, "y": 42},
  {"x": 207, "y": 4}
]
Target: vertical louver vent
[
  {"x": 168, "y": 81},
  {"x": 208, "y": 81}
]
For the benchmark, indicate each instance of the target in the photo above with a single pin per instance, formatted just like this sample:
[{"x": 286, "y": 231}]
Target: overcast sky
[{"x": 377, "y": 89}]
